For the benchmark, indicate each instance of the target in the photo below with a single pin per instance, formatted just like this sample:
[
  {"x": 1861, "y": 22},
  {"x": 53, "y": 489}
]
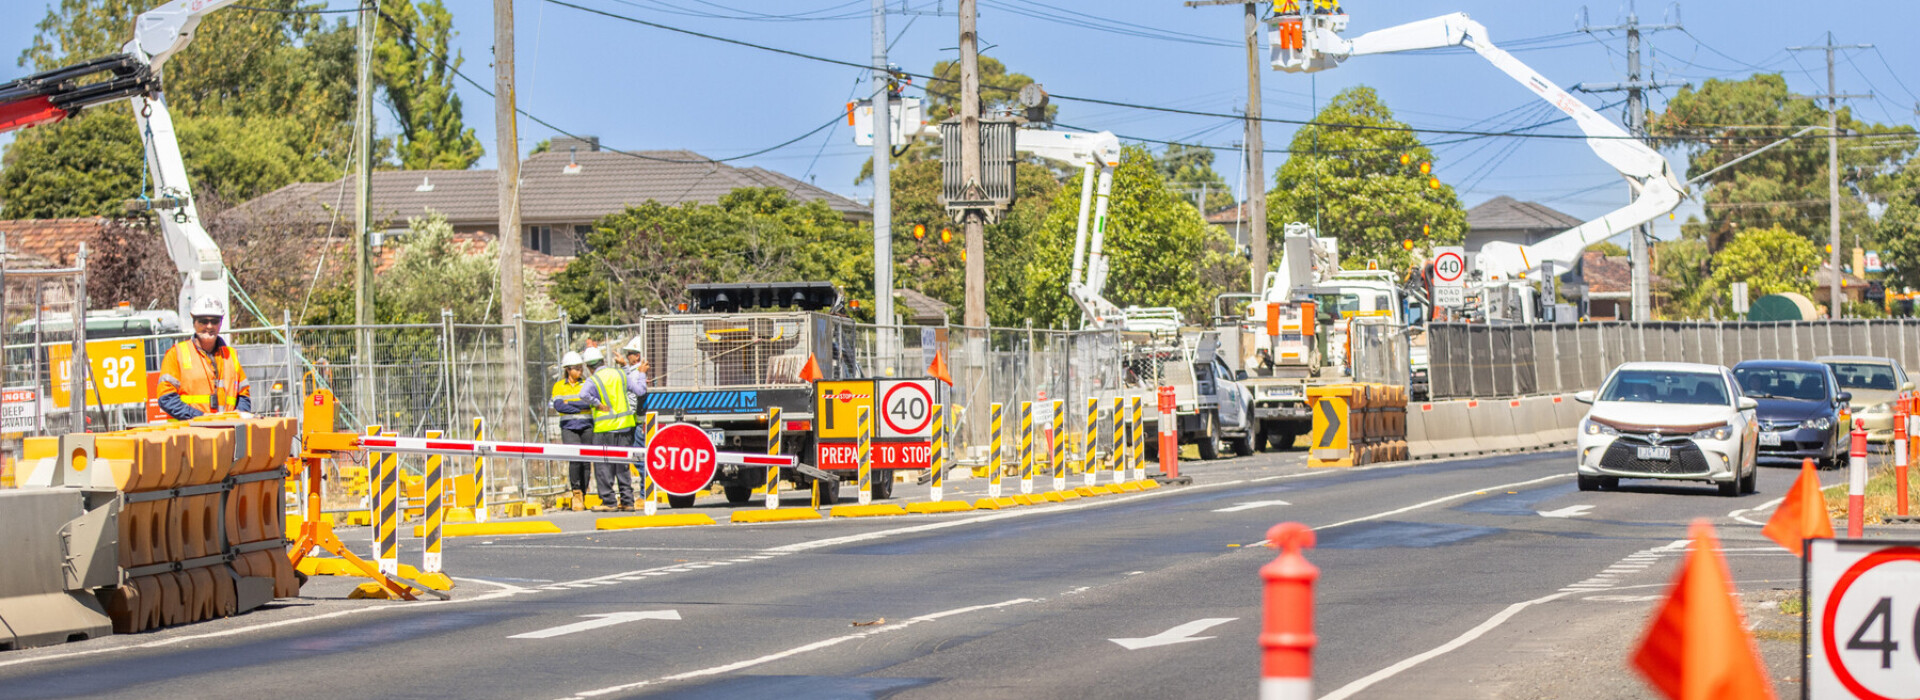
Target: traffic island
[
  {"x": 995, "y": 504},
  {"x": 867, "y": 511},
  {"x": 777, "y": 515},
  {"x": 634, "y": 522},
  {"x": 939, "y": 507},
  {"x": 1128, "y": 487}
]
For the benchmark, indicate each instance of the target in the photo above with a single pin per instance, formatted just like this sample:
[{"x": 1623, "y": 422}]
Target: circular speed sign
[
  {"x": 907, "y": 407},
  {"x": 681, "y": 459},
  {"x": 1871, "y": 638},
  {"x": 1449, "y": 267}
]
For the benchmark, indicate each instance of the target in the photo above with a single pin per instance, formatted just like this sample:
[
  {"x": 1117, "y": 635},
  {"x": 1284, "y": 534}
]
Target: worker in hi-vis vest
[
  {"x": 201, "y": 374},
  {"x": 606, "y": 391},
  {"x": 575, "y": 427}
]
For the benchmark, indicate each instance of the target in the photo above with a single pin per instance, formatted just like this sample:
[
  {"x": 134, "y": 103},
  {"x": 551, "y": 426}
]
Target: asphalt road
[{"x": 1488, "y": 577}]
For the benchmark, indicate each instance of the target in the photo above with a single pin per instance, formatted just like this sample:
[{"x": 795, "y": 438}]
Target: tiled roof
[
  {"x": 1607, "y": 274},
  {"x": 572, "y": 187},
  {"x": 1230, "y": 215},
  {"x": 920, "y": 307},
  {"x": 1505, "y": 213},
  {"x": 53, "y": 240}
]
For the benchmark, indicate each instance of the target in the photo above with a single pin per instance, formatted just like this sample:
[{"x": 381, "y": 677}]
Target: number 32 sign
[
  {"x": 119, "y": 372},
  {"x": 1863, "y": 605}
]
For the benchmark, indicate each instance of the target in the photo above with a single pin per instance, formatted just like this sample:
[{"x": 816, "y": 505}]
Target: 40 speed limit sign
[
  {"x": 906, "y": 408},
  {"x": 1863, "y": 615}
]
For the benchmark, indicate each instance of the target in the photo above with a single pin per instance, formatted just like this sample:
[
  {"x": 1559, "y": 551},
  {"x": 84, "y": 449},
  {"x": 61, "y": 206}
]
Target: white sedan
[{"x": 1668, "y": 420}]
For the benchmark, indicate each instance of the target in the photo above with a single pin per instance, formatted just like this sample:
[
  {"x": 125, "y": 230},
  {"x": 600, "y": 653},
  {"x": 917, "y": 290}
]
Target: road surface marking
[
  {"x": 1423, "y": 504},
  {"x": 1250, "y": 505},
  {"x": 802, "y": 649},
  {"x": 1178, "y": 635},
  {"x": 597, "y": 621},
  {"x": 1567, "y": 512}
]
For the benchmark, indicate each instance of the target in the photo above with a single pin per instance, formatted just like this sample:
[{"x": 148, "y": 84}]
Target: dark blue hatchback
[{"x": 1799, "y": 411}]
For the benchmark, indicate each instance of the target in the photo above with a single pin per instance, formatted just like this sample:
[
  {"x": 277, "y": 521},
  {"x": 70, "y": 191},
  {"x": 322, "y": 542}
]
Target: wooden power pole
[
  {"x": 973, "y": 224},
  {"x": 507, "y": 151},
  {"x": 1836, "y": 290},
  {"x": 363, "y": 380},
  {"x": 1255, "y": 208}
]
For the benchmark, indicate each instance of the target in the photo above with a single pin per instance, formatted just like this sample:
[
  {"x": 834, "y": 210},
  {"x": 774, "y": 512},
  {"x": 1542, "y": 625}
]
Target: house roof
[
  {"x": 571, "y": 187},
  {"x": 921, "y": 307},
  {"x": 1610, "y": 275},
  {"x": 1230, "y": 215},
  {"x": 1505, "y": 213},
  {"x": 52, "y": 240}
]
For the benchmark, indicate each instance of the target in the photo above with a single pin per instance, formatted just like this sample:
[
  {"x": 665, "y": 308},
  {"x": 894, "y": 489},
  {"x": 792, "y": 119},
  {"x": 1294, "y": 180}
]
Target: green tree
[
  {"x": 415, "y": 68},
  {"x": 1771, "y": 261},
  {"x": 1189, "y": 170},
  {"x": 644, "y": 257},
  {"x": 1787, "y": 185},
  {"x": 432, "y": 270},
  {"x": 1155, "y": 241},
  {"x": 1360, "y": 182},
  {"x": 999, "y": 89},
  {"x": 1681, "y": 268},
  {"x": 1610, "y": 249},
  {"x": 935, "y": 265}
]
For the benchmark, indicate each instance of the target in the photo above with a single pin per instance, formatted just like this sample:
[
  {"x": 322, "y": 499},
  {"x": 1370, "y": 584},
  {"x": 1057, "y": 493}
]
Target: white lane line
[
  {"x": 802, "y": 649},
  {"x": 1424, "y": 504},
  {"x": 944, "y": 524},
  {"x": 1350, "y": 689}
]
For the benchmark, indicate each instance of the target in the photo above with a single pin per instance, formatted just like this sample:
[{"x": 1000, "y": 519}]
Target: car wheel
[
  {"x": 1242, "y": 446},
  {"x": 739, "y": 492},
  {"x": 1609, "y": 483},
  {"x": 829, "y": 491},
  {"x": 1751, "y": 482},
  {"x": 1280, "y": 441},
  {"x": 680, "y": 501},
  {"x": 1588, "y": 483},
  {"x": 1730, "y": 488},
  {"x": 1210, "y": 440},
  {"x": 882, "y": 485}
]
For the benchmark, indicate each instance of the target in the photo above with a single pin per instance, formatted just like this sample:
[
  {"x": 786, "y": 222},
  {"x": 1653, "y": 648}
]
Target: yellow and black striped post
[
  {"x": 863, "y": 453},
  {"x": 1090, "y": 445},
  {"x": 479, "y": 473},
  {"x": 1059, "y": 457},
  {"x": 646, "y": 482},
  {"x": 1026, "y": 447},
  {"x": 937, "y": 461},
  {"x": 773, "y": 448},
  {"x": 434, "y": 509},
  {"x": 994, "y": 463},
  {"x": 1136, "y": 446},
  {"x": 386, "y": 524},
  {"x": 1119, "y": 443},
  {"x": 372, "y": 502}
]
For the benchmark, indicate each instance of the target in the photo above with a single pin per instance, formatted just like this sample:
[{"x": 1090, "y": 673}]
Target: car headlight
[
  {"x": 1820, "y": 423},
  {"x": 1593, "y": 428},
  {"x": 1880, "y": 408},
  {"x": 1721, "y": 432}
]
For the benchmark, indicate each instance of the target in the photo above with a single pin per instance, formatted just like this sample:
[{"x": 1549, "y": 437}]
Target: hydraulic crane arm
[
  {"x": 45, "y": 98},
  {"x": 1311, "y": 42},
  {"x": 1092, "y": 152}
]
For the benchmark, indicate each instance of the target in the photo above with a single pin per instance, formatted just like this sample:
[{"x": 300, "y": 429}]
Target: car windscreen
[
  {"x": 1864, "y": 375},
  {"x": 1666, "y": 386},
  {"x": 1782, "y": 383}
]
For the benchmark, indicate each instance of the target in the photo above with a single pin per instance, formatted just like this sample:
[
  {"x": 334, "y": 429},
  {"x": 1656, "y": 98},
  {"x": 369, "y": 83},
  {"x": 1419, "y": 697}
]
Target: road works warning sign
[
  {"x": 838, "y": 405},
  {"x": 1863, "y": 619}
]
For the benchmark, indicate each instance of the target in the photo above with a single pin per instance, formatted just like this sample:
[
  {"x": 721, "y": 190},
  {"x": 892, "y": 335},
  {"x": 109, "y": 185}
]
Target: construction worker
[
  {"x": 201, "y": 374},
  {"x": 575, "y": 427},
  {"x": 606, "y": 391},
  {"x": 637, "y": 367}
]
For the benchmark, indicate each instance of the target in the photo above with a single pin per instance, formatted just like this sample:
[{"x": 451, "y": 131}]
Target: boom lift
[{"x": 135, "y": 74}]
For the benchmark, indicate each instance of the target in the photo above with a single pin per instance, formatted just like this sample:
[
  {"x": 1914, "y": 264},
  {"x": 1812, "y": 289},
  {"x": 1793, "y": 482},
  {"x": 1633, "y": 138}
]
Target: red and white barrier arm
[{"x": 538, "y": 450}]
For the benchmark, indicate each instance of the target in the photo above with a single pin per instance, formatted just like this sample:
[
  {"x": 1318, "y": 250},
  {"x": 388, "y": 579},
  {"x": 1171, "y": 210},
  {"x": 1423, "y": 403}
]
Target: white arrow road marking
[
  {"x": 1181, "y": 633},
  {"x": 600, "y": 620},
  {"x": 1250, "y": 505},
  {"x": 1567, "y": 512}
]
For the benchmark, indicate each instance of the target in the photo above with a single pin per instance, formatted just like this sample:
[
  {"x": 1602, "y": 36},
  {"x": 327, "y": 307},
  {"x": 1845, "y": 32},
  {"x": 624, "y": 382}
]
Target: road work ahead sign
[{"x": 1863, "y": 619}]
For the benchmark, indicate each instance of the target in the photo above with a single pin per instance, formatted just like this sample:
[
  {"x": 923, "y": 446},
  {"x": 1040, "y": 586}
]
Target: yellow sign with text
[
  {"x": 119, "y": 372},
  {"x": 838, "y": 405}
]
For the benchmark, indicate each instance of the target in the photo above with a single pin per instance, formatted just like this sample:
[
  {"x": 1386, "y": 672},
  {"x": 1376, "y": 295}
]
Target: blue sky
[{"x": 638, "y": 87}]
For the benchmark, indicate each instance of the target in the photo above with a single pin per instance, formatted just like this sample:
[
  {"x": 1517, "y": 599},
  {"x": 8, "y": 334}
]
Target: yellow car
[{"x": 1873, "y": 381}]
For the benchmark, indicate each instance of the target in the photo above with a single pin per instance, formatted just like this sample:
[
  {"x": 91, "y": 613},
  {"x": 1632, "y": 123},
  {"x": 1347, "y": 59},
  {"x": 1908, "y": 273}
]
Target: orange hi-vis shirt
[{"x": 209, "y": 383}]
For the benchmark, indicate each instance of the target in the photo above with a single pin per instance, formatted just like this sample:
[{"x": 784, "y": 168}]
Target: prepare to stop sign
[
  {"x": 681, "y": 459},
  {"x": 1863, "y": 603}
]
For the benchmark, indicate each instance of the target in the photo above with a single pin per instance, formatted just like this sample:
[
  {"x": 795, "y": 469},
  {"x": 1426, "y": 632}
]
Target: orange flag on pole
[
  {"x": 1697, "y": 647},
  {"x": 1802, "y": 515},
  {"x": 811, "y": 372},
  {"x": 938, "y": 370}
]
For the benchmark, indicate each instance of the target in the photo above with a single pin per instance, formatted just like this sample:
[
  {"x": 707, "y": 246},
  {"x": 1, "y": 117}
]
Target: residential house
[{"x": 1510, "y": 220}]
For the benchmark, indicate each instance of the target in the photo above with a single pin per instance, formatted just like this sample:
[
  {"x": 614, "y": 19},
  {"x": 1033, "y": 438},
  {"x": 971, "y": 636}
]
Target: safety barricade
[
  {"x": 1530, "y": 426},
  {"x": 1492, "y": 425},
  {"x": 1446, "y": 430},
  {"x": 1356, "y": 424}
]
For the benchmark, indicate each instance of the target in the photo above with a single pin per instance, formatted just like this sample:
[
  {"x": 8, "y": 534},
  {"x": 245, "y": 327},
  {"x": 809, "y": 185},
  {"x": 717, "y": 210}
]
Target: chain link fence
[{"x": 1486, "y": 361}]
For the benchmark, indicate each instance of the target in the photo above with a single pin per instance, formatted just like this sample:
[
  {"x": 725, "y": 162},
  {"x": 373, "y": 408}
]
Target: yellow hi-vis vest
[{"x": 618, "y": 415}]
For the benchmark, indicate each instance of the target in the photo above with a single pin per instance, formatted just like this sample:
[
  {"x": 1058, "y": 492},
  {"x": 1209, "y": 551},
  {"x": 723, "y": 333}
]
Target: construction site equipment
[{"x": 1355, "y": 424}]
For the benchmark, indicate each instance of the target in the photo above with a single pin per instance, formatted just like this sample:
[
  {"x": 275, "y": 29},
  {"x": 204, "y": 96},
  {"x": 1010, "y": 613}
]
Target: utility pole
[
  {"x": 1255, "y": 208},
  {"x": 362, "y": 213},
  {"x": 882, "y": 177},
  {"x": 507, "y": 150},
  {"x": 1642, "y": 301},
  {"x": 973, "y": 223},
  {"x": 1836, "y": 291}
]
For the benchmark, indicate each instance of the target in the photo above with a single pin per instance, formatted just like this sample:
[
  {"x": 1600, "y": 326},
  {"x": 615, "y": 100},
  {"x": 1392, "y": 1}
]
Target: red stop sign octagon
[{"x": 680, "y": 459}]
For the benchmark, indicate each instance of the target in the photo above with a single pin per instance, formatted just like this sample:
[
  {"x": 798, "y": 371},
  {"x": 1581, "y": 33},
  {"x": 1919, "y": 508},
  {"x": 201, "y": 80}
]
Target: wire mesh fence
[{"x": 1483, "y": 361}]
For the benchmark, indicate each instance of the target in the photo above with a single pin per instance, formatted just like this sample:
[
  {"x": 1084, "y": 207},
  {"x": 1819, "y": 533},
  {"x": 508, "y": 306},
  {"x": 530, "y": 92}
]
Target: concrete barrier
[
  {"x": 1492, "y": 425},
  {"x": 1447, "y": 431},
  {"x": 1561, "y": 425},
  {"x": 1570, "y": 412},
  {"x": 1418, "y": 447}
]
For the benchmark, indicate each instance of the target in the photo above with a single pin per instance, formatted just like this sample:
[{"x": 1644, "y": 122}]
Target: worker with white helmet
[
  {"x": 202, "y": 374},
  {"x": 637, "y": 367},
  {"x": 575, "y": 427},
  {"x": 606, "y": 392}
]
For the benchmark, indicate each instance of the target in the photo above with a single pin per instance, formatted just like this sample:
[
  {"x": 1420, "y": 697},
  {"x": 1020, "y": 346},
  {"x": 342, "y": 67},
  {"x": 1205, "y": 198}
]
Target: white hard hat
[
  {"x": 207, "y": 306},
  {"x": 592, "y": 355},
  {"x": 571, "y": 359},
  {"x": 635, "y": 345}
]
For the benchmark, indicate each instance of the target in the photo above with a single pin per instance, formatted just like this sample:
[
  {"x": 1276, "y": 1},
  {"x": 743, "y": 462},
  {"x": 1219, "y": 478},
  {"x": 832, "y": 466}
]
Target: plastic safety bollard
[
  {"x": 1902, "y": 411},
  {"x": 774, "y": 446},
  {"x": 1857, "y": 479},
  {"x": 995, "y": 464},
  {"x": 937, "y": 457},
  {"x": 1286, "y": 634},
  {"x": 649, "y": 506},
  {"x": 1169, "y": 440}
]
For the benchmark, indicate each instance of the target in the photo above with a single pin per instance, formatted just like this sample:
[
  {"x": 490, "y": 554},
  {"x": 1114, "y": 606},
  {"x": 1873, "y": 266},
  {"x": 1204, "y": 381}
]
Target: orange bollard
[
  {"x": 1902, "y": 410},
  {"x": 1286, "y": 636},
  {"x": 1169, "y": 435},
  {"x": 1857, "y": 479}
]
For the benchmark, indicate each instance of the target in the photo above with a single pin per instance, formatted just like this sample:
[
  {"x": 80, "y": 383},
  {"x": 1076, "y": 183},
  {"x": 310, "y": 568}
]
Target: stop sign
[{"x": 680, "y": 459}]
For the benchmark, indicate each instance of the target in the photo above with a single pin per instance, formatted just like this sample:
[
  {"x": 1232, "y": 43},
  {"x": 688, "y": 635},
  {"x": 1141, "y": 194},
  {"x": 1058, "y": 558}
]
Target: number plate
[
  {"x": 1770, "y": 439},
  {"x": 1656, "y": 453},
  {"x": 719, "y": 436}
]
